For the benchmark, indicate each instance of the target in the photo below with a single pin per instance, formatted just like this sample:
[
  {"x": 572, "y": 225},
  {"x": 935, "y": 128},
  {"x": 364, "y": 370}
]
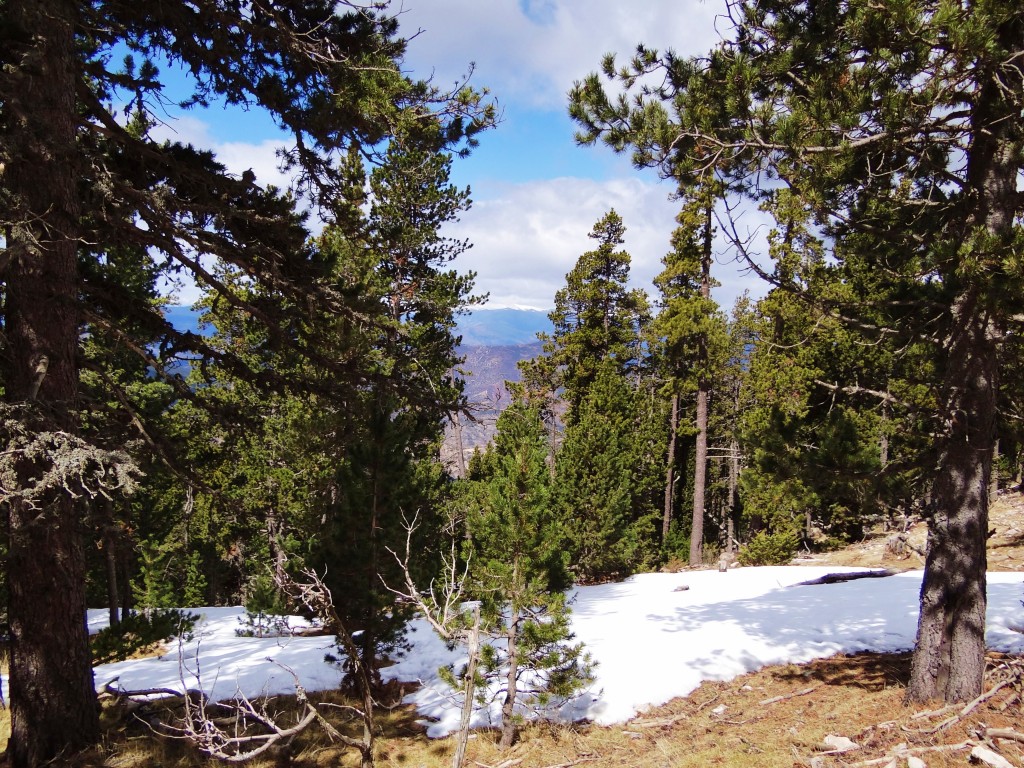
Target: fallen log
[{"x": 837, "y": 578}]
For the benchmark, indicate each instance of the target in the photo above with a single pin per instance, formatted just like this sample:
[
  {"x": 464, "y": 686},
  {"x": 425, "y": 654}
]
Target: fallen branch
[
  {"x": 709, "y": 702},
  {"x": 1004, "y": 733},
  {"x": 776, "y": 699},
  {"x": 210, "y": 738},
  {"x": 504, "y": 764},
  {"x": 588, "y": 759},
  {"x": 971, "y": 706},
  {"x": 905, "y": 751},
  {"x": 661, "y": 722},
  {"x": 838, "y": 578}
]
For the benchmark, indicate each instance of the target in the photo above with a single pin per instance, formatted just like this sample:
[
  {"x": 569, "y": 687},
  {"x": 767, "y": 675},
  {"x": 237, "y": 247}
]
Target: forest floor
[{"x": 779, "y": 716}]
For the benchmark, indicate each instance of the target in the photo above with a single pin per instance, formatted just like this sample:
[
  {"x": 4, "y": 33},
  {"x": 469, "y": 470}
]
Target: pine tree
[
  {"x": 691, "y": 333},
  {"x": 516, "y": 550},
  {"x": 596, "y": 316},
  {"x": 895, "y": 129},
  {"x": 596, "y": 483},
  {"x": 330, "y": 76}
]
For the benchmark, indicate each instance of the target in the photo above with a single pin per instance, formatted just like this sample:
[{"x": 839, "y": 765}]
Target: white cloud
[
  {"x": 237, "y": 156},
  {"x": 526, "y": 237},
  {"x": 531, "y": 51}
]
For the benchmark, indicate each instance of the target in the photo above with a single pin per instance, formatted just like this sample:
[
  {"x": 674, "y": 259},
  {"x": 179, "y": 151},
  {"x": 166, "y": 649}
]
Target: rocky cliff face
[{"x": 486, "y": 370}]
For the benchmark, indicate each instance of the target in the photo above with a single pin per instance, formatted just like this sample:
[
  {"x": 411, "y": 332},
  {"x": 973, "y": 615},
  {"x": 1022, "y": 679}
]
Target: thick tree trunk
[
  {"x": 949, "y": 657},
  {"x": 670, "y": 471},
  {"x": 53, "y": 701}
]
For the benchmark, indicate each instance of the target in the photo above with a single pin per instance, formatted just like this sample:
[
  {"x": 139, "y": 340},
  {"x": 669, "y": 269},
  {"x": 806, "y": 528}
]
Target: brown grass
[
  {"x": 728, "y": 724},
  {"x": 719, "y": 724}
]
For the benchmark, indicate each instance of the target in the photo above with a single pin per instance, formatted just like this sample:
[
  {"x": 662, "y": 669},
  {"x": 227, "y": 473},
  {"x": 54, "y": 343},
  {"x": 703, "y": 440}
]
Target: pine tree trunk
[
  {"x": 111, "y": 557},
  {"x": 993, "y": 486},
  {"x": 703, "y": 395},
  {"x": 666, "y": 520},
  {"x": 508, "y": 706},
  {"x": 949, "y": 656},
  {"x": 699, "y": 479},
  {"x": 734, "y": 493},
  {"x": 53, "y": 701},
  {"x": 473, "y": 651}
]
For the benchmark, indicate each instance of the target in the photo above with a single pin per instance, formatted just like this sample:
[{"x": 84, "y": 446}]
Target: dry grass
[
  {"x": 719, "y": 724},
  {"x": 1005, "y": 545},
  {"x": 728, "y": 724}
]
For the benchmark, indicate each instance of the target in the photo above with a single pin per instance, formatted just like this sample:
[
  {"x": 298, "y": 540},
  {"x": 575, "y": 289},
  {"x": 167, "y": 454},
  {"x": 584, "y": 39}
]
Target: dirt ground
[{"x": 1005, "y": 544}]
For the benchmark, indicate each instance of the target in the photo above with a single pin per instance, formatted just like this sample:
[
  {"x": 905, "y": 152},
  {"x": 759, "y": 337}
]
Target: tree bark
[
  {"x": 699, "y": 479},
  {"x": 508, "y": 706},
  {"x": 734, "y": 495},
  {"x": 993, "y": 486},
  {"x": 110, "y": 548},
  {"x": 949, "y": 658},
  {"x": 469, "y": 680},
  {"x": 703, "y": 395},
  {"x": 53, "y": 701},
  {"x": 666, "y": 520}
]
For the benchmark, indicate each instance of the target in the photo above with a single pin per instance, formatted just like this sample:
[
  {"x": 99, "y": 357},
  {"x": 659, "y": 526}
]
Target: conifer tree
[
  {"x": 691, "y": 332},
  {"x": 516, "y": 549},
  {"x": 596, "y": 316},
  {"x": 895, "y": 130},
  {"x": 330, "y": 76},
  {"x": 597, "y": 485}
]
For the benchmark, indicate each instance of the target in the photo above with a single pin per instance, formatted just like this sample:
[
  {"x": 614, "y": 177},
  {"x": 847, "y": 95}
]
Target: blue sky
[{"x": 536, "y": 194}]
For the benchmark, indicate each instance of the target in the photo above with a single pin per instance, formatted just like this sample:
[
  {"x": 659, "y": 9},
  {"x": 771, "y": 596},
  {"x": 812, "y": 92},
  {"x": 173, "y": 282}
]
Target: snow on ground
[{"x": 651, "y": 643}]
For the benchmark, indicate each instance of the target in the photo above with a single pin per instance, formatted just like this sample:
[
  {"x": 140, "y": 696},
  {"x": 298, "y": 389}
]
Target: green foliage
[
  {"x": 266, "y": 609},
  {"x": 516, "y": 549},
  {"x": 596, "y": 483},
  {"x": 154, "y": 587},
  {"x": 596, "y": 318},
  {"x": 136, "y": 631},
  {"x": 97, "y": 209},
  {"x": 770, "y": 548}
]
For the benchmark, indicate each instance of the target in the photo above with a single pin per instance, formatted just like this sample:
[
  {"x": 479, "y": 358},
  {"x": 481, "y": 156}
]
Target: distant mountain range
[
  {"x": 502, "y": 327},
  {"x": 481, "y": 328},
  {"x": 493, "y": 341}
]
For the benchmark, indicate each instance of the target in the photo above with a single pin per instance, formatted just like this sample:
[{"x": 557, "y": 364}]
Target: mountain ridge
[{"x": 482, "y": 327}]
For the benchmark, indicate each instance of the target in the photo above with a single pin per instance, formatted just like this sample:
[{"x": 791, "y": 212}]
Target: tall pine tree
[
  {"x": 330, "y": 76},
  {"x": 895, "y": 129}
]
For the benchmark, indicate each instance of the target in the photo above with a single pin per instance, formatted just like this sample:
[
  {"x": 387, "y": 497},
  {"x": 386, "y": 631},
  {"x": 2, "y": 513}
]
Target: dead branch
[
  {"x": 503, "y": 764},
  {"x": 587, "y": 759},
  {"x": 442, "y": 604},
  {"x": 709, "y": 702},
  {"x": 970, "y": 707},
  {"x": 776, "y": 699},
  {"x": 444, "y": 609},
  {"x": 314, "y": 594},
  {"x": 839, "y": 578},
  {"x": 903, "y": 750},
  {"x": 1004, "y": 733},
  {"x": 217, "y": 738},
  {"x": 661, "y": 722}
]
